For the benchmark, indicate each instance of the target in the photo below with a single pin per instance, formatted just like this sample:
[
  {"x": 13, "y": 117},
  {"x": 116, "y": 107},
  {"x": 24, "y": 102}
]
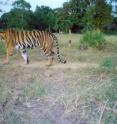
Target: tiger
[{"x": 24, "y": 40}]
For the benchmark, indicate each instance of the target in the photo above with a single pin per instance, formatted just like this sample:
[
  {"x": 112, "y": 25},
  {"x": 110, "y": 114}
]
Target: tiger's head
[{"x": 6, "y": 37}]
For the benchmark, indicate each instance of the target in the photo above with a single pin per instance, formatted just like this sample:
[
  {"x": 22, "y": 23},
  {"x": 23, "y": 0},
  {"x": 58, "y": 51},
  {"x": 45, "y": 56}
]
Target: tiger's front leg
[
  {"x": 25, "y": 55},
  {"x": 6, "y": 61}
]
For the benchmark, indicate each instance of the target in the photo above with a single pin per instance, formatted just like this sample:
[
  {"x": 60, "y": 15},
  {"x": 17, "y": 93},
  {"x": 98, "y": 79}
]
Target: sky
[{"x": 51, "y": 3}]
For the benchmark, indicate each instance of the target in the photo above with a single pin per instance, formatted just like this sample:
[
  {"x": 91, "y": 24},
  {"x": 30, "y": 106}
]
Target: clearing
[{"x": 82, "y": 91}]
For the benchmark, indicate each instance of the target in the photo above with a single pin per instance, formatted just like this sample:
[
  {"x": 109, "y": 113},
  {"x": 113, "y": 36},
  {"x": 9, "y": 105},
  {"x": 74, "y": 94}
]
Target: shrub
[{"x": 93, "y": 39}]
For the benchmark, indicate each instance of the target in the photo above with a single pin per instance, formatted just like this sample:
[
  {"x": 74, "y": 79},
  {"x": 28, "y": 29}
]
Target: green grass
[{"x": 33, "y": 90}]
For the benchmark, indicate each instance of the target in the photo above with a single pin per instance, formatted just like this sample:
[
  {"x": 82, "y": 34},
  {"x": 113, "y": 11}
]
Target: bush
[{"x": 93, "y": 39}]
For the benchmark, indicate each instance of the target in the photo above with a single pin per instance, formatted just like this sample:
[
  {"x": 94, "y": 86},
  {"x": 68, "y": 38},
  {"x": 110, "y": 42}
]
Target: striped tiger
[{"x": 23, "y": 40}]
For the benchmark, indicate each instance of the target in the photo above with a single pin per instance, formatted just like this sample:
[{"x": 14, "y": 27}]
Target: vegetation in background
[
  {"x": 93, "y": 39},
  {"x": 76, "y": 15}
]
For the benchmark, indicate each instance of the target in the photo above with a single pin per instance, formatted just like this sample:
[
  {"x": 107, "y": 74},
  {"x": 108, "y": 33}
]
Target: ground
[{"x": 82, "y": 91}]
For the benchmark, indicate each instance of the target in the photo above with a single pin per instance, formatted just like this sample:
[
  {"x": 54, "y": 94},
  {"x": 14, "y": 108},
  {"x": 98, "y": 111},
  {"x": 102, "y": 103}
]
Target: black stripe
[
  {"x": 40, "y": 38},
  {"x": 17, "y": 35},
  {"x": 33, "y": 37},
  {"x": 22, "y": 39},
  {"x": 28, "y": 39}
]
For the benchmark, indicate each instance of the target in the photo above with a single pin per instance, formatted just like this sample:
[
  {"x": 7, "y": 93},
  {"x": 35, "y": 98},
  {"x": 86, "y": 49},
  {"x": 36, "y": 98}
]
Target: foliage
[
  {"x": 64, "y": 20},
  {"x": 20, "y": 11},
  {"x": 75, "y": 15},
  {"x": 103, "y": 14},
  {"x": 93, "y": 38},
  {"x": 21, "y": 15},
  {"x": 44, "y": 18},
  {"x": 21, "y": 4},
  {"x": 96, "y": 13}
]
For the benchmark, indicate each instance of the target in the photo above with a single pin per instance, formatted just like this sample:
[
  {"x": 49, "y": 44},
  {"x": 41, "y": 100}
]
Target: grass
[
  {"x": 89, "y": 94},
  {"x": 102, "y": 90},
  {"x": 33, "y": 90},
  {"x": 93, "y": 98},
  {"x": 9, "y": 117},
  {"x": 4, "y": 89}
]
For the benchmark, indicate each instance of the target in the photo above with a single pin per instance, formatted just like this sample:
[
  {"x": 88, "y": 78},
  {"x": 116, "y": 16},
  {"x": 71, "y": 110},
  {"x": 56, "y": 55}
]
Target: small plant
[
  {"x": 93, "y": 39},
  {"x": 107, "y": 64}
]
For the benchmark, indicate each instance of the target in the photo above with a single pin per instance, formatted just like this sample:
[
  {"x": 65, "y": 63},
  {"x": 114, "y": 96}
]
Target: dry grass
[{"x": 81, "y": 92}]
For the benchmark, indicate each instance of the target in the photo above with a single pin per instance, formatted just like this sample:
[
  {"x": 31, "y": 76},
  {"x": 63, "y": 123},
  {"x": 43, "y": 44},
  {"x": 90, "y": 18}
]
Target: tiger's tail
[{"x": 57, "y": 47}]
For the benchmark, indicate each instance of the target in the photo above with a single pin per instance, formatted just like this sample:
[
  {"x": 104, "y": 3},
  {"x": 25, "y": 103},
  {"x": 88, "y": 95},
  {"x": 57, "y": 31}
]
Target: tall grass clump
[{"x": 94, "y": 38}]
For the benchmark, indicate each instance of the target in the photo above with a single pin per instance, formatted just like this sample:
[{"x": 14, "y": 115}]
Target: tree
[
  {"x": 18, "y": 16},
  {"x": 13, "y": 19},
  {"x": 45, "y": 18},
  {"x": 103, "y": 14},
  {"x": 21, "y": 4},
  {"x": 64, "y": 20}
]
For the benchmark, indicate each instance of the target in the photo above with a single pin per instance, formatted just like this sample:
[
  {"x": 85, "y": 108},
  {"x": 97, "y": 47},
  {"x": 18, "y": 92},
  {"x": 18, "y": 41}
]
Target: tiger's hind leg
[
  {"x": 50, "y": 59},
  {"x": 25, "y": 55}
]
